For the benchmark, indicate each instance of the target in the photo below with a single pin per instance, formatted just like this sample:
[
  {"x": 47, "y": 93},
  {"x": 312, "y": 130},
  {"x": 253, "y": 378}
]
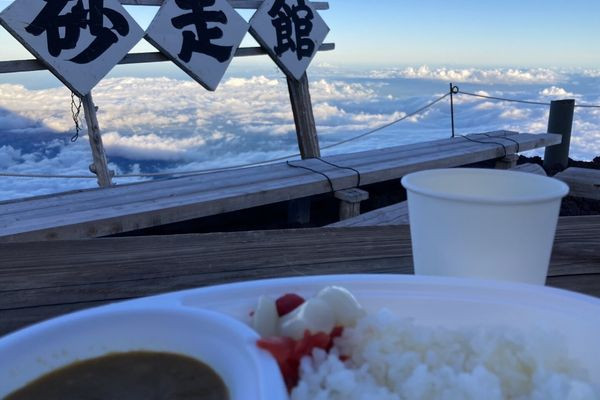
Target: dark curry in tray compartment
[{"x": 132, "y": 376}]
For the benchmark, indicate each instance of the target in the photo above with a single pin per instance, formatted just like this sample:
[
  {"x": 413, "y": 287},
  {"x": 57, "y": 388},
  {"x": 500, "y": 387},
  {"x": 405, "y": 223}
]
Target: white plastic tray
[{"x": 447, "y": 302}]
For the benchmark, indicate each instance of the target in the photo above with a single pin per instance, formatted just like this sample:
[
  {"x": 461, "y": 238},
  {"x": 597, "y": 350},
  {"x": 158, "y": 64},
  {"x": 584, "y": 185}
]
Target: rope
[
  {"x": 240, "y": 166},
  {"x": 9, "y": 174},
  {"x": 479, "y": 141},
  {"x": 586, "y": 106},
  {"x": 313, "y": 170},
  {"x": 506, "y": 138},
  {"x": 206, "y": 171},
  {"x": 75, "y": 111},
  {"x": 502, "y": 98},
  {"x": 388, "y": 124},
  {"x": 342, "y": 167},
  {"x": 418, "y": 111},
  {"x": 537, "y": 103},
  {"x": 324, "y": 174}
]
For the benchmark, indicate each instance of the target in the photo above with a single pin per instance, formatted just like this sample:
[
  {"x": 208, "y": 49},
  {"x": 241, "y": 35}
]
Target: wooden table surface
[{"x": 39, "y": 280}]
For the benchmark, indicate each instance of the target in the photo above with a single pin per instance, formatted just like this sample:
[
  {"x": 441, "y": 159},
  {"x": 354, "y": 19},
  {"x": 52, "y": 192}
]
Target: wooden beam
[
  {"x": 507, "y": 162},
  {"x": 100, "y": 166},
  {"x": 21, "y": 66},
  {"x": 350, "y": 202},
  {"x": 132, "y": 58},
  {"x": 241, "y": 4},
  {"x": 306, "y": 130}
]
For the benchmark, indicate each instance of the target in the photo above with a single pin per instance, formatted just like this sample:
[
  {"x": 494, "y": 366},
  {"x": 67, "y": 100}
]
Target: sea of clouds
[{"x": 164, "y": 124}]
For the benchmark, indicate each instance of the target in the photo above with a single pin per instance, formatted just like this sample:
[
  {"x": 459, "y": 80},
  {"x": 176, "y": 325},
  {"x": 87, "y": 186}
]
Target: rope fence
[
  {"x": 240, "y": 166},
  {"x": 537, "y": 103},
  {"x": 453, "y": 90}
]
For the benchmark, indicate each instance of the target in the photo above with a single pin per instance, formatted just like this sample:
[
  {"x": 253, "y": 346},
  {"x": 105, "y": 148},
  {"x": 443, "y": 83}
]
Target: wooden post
[
  {"x": 306, "y": 130},
  {"x": 308, "y": 142},
  {"x": 299, "y": 212},
  {"x": 560, "y": 121},
  {"x": 350, "y": 202},
  {"x": 100, "y": 165},
  {"x": 507, "y": 162}
]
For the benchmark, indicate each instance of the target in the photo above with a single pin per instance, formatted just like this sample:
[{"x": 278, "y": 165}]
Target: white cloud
[
  {"x": 488, "y": 105},
  {"x": 339, "y": 90},
  {"x": 591, "y": 73},
  {"x": 369, "y": 120},
  {"x": 241, "y": 82},
  {"x": 515, "y": 113},
  {"x": 9, "y": 156},
  {"x": 152, "y": 124},
  {"x": 472, "y": 75},
  {"x": 149, "y": 120},
  {"x": 555, "y": 91},
  {"x": 324, "y": 111},
  {"x": 151, "y": 146}
]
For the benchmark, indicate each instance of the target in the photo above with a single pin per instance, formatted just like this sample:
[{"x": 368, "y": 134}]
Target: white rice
[{"x": 393, "y": 358}]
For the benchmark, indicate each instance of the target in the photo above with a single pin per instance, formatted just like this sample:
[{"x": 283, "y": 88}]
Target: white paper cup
[{"x": 483, "y": 223}]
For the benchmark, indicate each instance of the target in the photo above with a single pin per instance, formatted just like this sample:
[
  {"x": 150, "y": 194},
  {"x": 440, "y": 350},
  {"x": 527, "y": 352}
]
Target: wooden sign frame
[{"x": 298, "y": 90}]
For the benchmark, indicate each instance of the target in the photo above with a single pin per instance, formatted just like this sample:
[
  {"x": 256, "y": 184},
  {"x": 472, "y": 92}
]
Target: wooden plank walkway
[
  {"x": 101, "y": 212},
  {"x": 583, "y": 182},
  {"x": 39, "y": 280},
  {"x": 397, "y": 214}
]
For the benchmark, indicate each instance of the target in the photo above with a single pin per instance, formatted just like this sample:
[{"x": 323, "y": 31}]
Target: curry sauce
[{"x": 131, "y": 376}]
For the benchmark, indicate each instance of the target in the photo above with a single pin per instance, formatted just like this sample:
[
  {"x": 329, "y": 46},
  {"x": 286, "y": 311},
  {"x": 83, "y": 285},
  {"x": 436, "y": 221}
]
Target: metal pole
[
  {"x": 560, "y": 121},
  {"x": 452, "y": 107}
]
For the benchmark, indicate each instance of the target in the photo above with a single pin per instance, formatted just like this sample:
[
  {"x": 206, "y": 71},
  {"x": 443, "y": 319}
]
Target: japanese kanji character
[
  {"x": 200, "y": 41},
  {"x": 293, "y": 21},
  {"x": 50, "y": 20}
]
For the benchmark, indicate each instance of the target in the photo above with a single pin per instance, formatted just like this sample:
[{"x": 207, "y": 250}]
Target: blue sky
[
  {"x": 525, "y": 33},
  {"x": 468, "y": 32}
]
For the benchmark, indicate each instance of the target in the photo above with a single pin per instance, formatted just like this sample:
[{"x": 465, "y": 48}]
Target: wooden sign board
[
  {"x": 79, "y": 41},
  {"x": 200, "y": 36},
  {"x": 291, "y": 31}
]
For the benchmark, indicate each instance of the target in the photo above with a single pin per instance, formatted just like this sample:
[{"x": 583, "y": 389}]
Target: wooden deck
[
  {"x": 396, "y": 214},
  {"x": 101, "y": 212},
  {"x": 39, "y": 280}
]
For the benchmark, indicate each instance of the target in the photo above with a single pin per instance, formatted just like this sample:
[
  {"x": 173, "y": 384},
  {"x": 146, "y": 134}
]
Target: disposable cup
[{"x": 483, "y": 223}]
